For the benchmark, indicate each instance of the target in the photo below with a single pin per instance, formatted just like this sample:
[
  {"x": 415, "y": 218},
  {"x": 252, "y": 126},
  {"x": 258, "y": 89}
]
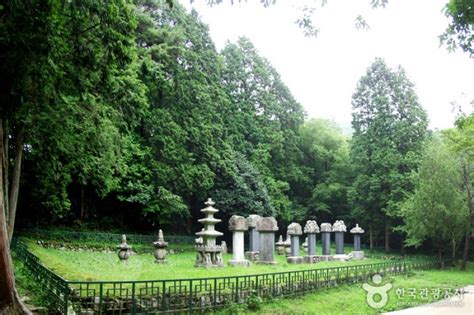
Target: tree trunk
[
  {"x": 453, "y": 253},
  {"x": 9, "y": 300},
  {"x": 402, "y": 247},
  {"x": 470, "y": 205},
  {"x": 465, "y": 254},
  {"x": 6, "y": 168},
  {"x": 371, "y": 237},
  {"x": 387, "y": 236},
  {"x": 81, "y": 216},
  {"x": 15, "y": 183}
]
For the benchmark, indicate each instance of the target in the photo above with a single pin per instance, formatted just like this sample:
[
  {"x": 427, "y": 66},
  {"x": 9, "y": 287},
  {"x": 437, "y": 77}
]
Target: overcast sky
[{"x": 322, "y": 72}]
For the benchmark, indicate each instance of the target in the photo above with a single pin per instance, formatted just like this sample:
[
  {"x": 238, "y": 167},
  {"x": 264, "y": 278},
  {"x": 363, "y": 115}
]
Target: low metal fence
[
  {"x": 113, "y": 238},
  {"x": 197, "y": 294}
]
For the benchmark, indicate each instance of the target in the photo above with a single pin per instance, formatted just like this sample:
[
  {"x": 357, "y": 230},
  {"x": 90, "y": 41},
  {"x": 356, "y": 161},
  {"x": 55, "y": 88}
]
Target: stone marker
[
  {"x": 311, "y": 228},
  {"x": 160, "y": 251},
  {"x": 294, "y": 230},
  {"x": 208, "y": 252},
  {"x": 124, "y": 249},
  {"x": 326, "y": 229},
  {"x": 280, "y": 246},
  {"x": 267, "y": 226},
  {"x": 357, "y": 253},
  {"x": 339, "y": 228},
  {"x": 252, "y": 253},
  {"x": 238, "y": 225}
]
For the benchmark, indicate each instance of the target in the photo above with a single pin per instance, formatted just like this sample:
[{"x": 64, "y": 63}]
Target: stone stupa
[{"x": 209, "y": 254}]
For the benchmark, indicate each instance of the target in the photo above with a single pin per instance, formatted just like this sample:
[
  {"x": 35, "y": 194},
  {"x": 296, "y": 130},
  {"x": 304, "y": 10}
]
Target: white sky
[{"x": 322, "y": 72}]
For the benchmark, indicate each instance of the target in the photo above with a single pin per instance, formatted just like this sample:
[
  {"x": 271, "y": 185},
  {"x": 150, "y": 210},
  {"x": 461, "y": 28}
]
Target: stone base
[
  {"x": 243, "y": 263},
  {"x": 312, "y": 259},
  {"x": 266, "y": 262},
  {"x": 209, "y": 265},
  {"x": 357, "y": 255},
  {"x": 252, "y": 256},
  {"x": 161, "y": 262},
  {"x": 323, "y": 257},
  {"x": 294, "y": 259},
  {"x": 342, "y": 257}
]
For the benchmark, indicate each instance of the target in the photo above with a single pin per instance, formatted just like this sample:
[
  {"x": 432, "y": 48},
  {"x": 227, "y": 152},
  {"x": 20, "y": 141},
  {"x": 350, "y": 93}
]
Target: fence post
[
  {"x": 133, "y": 299},
  {"x": 190, "y": 300}
]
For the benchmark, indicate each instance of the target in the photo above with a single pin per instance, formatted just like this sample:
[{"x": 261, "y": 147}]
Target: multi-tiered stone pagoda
[{"x": 209, "y": 254}]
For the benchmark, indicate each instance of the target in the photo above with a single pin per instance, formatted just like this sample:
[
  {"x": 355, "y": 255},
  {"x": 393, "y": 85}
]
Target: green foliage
[
  {"x": 437, "y": 209},
  {"x": 460, "y": 32}
]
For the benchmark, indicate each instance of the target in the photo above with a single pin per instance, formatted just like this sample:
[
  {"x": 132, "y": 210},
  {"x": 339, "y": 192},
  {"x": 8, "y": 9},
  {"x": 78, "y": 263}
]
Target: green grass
[
  {"x": 90, "y": 266},
  {"x": 351, "y": 299}
]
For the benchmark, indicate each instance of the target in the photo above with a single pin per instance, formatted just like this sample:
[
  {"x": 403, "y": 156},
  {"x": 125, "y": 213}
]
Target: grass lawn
[
  {"x": 351, "y": 299},
  {"x": 86, "y": 265}
]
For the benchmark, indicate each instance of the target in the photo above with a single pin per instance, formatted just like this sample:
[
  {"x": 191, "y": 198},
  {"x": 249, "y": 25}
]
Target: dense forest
[{"x": 123, "y": 115}]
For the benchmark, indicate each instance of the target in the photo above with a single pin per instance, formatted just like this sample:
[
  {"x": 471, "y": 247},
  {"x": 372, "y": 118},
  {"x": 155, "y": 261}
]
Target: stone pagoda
[
  {"x": 160, "y": 248},
  {"x": 209, "y": 254}
]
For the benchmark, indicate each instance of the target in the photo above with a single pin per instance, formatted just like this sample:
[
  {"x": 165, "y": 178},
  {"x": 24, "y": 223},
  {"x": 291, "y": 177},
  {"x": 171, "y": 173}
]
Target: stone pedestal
[
  {"x": 209, "y": 254},
  {"x": 267, "y": 227},
  {"x": 339, "y": 228},
  {"x": 357, "y": 253},
  {"x": 294, "y": 230},
  {"x": 311, "y": 228},
  {"x": 254, "y": 239},
  {"x": 280, "y": 246},
  {"x": 326, "y": 229},
  {"x": 238, "y": 225},
  {"x": 160, "y": 251}
]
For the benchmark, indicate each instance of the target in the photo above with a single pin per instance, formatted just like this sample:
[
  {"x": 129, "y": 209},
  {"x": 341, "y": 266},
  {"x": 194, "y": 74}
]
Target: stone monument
[
  {"x": 357, "y": 253},
  {"x": 124, "y": 249},
  {"x": 160, "y": 251},
  {"x": 326, "y": 229},
  {"x": 209, "y": 254},
  {"x": 267, "y": 227},
  {"x": 294, "y": 230},
  {"x": 339, "y": 228},
  {"x": 238, "y": 225},
  {"x": 311, "y": 228},
  {"x": 280, "y": 246},
  {"x": 252, "y": 253}
]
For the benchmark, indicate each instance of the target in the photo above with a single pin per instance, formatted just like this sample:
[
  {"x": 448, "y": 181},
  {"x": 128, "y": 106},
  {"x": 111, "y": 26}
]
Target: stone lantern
[
  {"x": 294, "y": 230},
  {"x": 238, "y": 225},
  {"x": 209, "y": 254},
  {"x": 124, "y": 249},
  {"x": 160, "y": 251},
  {"x": 305, "y": 245},
  {"x": 357, "y": 253},
  {"x": 280, "y": 246}
]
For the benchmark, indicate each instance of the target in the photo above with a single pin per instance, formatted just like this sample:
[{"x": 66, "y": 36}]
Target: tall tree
[
  {"x": 61, "y": 62},
  {"x": 389, "y": 129},
  {"x": 262, "y": 120},
  {"x": 437, "y": 208},
  {"x": 461, "y": 142}
]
